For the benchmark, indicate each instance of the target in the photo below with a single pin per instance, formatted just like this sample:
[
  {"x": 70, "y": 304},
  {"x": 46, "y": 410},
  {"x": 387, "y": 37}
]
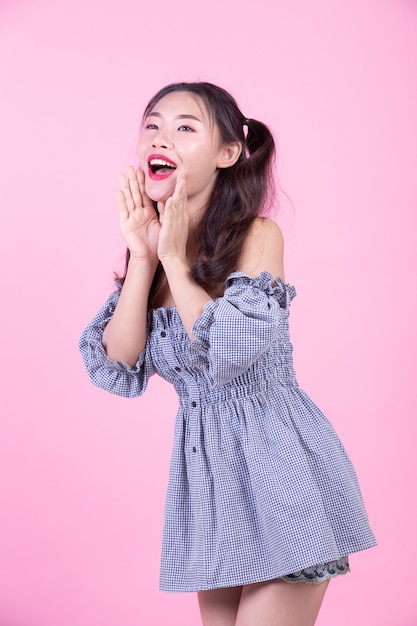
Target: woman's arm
[
  {"x": 125, "y": 335},
  {"x": 189, "y": 297}
]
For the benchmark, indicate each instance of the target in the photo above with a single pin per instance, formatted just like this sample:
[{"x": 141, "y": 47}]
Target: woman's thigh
[
  {"x": 279, "y": 603},
  {"x": 218, "y": 607}
]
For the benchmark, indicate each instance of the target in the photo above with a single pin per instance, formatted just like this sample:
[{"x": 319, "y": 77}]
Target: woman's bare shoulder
[{"x": 263, "y": 250}]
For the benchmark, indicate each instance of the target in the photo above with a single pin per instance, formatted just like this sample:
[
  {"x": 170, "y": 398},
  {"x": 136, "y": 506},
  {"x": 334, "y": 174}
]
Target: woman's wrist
[
  {"x": 143, "y": 264},
  {"x": 175, "y": 266}
]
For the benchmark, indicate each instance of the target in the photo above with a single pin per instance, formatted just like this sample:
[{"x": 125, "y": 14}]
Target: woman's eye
[
  {"x": 151, "y": 126},
  {"x": 185, "y": 128}
]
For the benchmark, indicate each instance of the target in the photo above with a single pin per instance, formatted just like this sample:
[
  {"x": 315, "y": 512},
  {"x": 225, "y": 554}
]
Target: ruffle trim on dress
[
  {"x": 282, "y": 291},
  {"x": 319, "y": 573},
  {"x": 256, "y": 298},
  {"x": 94, "y": 338},
  {"x": 235, "y": 286},
  {"x": 101, "y": 356}
]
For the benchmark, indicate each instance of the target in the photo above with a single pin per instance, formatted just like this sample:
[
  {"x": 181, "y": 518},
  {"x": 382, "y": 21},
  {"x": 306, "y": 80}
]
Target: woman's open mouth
[{"x": 159, "y": 167}]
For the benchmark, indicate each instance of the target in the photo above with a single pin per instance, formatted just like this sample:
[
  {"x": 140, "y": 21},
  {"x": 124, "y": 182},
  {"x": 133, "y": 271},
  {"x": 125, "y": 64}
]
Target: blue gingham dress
[{"x": 260, "y": 485}]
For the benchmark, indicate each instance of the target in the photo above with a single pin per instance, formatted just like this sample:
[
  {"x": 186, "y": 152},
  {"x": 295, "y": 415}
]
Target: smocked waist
[{"x": 203, "y": 391}]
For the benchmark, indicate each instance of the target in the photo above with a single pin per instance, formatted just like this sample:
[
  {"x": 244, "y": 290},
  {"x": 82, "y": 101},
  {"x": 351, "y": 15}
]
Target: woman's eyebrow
[{"x": 183, "y": 116}]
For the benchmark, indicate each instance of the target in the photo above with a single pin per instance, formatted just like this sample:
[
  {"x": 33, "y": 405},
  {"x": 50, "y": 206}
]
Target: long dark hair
[{"x": 241, "y": 192}]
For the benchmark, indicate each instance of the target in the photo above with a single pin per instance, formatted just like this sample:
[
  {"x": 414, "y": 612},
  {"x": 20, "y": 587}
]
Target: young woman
[{"x": 263, "y": 505}]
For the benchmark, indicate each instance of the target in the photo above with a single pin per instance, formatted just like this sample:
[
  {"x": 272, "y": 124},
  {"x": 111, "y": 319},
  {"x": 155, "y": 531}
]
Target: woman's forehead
[{"x": 183, "y": 103}]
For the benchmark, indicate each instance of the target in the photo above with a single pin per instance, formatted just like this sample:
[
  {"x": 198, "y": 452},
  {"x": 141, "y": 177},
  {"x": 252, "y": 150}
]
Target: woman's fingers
[
  {"x": 139, "y": 225},
  {"x": 125, "y": 189},
  {"x": 179, "y": 199},
  {"x": 134, "y": 186},
  {"x": 121, "y": 201},
  {"x": 174, "y": 221},
  {"x": 179, "y": 196},
  {"x": 140, "y": 177},
  {"x": 175, "y": 206}
]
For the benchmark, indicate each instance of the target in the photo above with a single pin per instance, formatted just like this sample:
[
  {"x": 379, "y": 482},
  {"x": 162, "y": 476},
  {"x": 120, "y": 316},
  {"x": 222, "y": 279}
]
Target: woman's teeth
[{"x": 157, "y": 165}]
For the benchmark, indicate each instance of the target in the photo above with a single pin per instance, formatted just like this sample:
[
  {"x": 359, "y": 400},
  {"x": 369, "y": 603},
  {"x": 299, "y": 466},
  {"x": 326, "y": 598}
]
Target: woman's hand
[
  {"x": 174, "y": 220},
  {"x": 138, "y": 219}
]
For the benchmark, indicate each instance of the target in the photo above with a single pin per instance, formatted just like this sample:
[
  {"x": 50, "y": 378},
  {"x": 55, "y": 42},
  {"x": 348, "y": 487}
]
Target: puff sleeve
[
  {"x": 236, "y": 329},
  {"x": 113, "y": 376}
]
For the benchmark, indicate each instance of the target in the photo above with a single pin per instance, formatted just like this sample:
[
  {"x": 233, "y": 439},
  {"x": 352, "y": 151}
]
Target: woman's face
[{"x": 178, "y": 135}]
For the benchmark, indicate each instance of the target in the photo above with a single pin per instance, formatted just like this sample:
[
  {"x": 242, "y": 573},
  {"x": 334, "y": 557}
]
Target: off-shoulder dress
[{"x": 260, "y": 486}]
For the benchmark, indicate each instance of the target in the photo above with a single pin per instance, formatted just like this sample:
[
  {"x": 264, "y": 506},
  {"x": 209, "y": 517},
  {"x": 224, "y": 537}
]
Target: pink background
[{"x": 83, "y": 473}]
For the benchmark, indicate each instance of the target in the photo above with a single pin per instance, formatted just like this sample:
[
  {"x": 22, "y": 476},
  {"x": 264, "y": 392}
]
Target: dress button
[
  {"x": 163, "y": 333},
  {"x": 194, "y": 449},
  {"x": 177, "y": 369},
  {"x": 193, "y": 403}
]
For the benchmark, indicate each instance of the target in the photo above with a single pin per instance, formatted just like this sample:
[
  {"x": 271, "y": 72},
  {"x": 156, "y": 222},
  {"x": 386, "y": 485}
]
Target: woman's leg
[
  {"x": 278, "y": 603},
  {"x": 218, "y": 607}
]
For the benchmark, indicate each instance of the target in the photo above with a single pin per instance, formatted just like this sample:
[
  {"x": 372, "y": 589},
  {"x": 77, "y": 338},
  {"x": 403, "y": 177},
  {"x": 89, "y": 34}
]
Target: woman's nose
[{"x": 161, "y": 140}]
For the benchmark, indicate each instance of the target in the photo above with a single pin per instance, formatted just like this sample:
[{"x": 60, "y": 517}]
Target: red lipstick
[{"x": 160, "y": 166}]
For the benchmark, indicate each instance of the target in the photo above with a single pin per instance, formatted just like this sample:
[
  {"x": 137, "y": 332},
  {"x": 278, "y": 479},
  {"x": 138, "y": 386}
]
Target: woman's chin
[{"x": 160, "y": 191}]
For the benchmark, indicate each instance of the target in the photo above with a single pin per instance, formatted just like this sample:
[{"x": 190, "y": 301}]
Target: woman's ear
[{"x": 229, "y": 154}]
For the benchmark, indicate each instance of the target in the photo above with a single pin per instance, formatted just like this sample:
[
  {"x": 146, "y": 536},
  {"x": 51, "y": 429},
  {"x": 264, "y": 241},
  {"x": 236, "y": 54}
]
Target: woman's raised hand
[
  {"x": 174, "y": 221},
  {"x": 138, "y": 219}
]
